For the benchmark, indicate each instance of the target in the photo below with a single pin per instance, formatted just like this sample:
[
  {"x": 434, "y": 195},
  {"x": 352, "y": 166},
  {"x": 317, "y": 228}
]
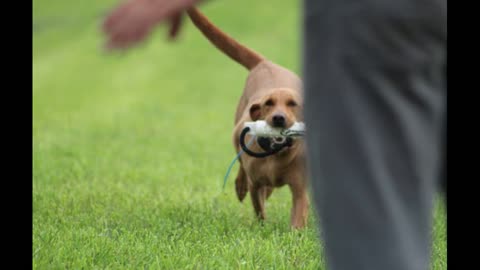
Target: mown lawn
[{"x": 130, "y": 150}]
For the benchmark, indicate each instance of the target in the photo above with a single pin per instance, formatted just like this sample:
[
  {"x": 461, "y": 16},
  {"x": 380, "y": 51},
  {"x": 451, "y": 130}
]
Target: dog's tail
[{"x": 243, "y": 55}]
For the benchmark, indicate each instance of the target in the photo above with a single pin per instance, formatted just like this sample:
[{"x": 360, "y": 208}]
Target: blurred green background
[{"x": 130, "y": 149}]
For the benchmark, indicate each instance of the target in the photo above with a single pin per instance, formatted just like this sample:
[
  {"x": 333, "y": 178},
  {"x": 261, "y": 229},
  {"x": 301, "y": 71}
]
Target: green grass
[{"x": 130, "y": 150}]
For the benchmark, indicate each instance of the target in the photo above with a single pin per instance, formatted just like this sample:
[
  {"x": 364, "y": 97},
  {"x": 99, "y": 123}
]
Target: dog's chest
[{"x": 267, "y": 172}]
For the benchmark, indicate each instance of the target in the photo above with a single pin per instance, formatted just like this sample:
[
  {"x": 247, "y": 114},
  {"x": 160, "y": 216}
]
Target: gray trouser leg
[{"x": 375, "y": 108}]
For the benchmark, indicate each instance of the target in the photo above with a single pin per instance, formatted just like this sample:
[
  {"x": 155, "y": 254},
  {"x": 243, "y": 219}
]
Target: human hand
[{"x": 133, "y": 20}]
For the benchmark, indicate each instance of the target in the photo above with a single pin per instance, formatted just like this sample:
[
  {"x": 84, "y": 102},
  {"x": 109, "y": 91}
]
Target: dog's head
[{"x": 281, "y": 108}]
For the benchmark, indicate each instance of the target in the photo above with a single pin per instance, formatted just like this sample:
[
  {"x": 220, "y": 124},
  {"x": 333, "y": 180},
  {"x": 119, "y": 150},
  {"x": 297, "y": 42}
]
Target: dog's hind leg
[{"x": 241, "y": 184}]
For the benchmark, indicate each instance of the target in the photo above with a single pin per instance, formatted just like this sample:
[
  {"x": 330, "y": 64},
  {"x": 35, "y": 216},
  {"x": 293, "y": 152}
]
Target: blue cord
[{"x": 233, "y": 162}]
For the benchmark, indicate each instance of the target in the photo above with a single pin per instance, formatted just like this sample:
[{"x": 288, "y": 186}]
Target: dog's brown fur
[{"x": 270, "y": 89}]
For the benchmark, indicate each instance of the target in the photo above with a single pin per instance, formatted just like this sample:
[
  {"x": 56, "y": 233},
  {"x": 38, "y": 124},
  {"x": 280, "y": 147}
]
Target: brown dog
[{"x": 274, "y": 94}]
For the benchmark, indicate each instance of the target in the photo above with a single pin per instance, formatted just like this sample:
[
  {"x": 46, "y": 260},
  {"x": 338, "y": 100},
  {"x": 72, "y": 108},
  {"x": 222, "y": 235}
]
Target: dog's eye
[
  {"x": 269, "y": 103},
  {"x": 291, "y": 103}
]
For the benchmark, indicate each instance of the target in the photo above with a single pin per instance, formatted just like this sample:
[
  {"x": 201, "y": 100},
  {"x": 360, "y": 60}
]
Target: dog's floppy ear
[{"x": 255, "y": 111}]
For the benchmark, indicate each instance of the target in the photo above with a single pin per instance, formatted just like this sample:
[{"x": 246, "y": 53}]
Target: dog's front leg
[
  {"x": 258, "y": 195},
  {"x": 300, "y": 205},
  {"x": 241, "y": 184}
]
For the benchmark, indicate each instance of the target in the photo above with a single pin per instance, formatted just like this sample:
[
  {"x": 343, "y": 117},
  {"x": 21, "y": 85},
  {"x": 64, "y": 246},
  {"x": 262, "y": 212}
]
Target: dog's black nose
[{"x": 278, "y": 120}]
